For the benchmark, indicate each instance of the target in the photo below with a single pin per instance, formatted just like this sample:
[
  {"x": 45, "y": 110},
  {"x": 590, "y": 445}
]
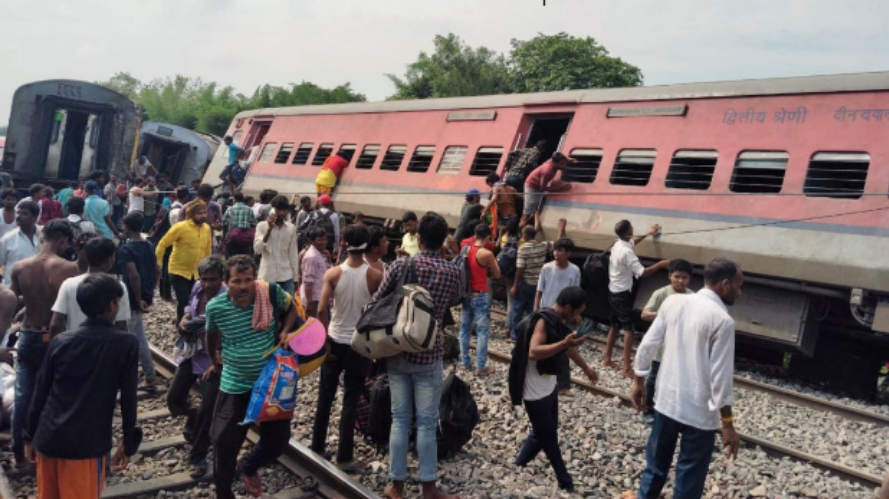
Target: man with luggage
[
  {"x": 415, "y": 379},
  {"x": 246, "y": 337}
]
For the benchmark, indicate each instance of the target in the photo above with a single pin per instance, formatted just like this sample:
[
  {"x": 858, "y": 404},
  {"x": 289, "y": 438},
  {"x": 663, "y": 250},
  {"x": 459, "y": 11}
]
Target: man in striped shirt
[
  {"x": 529, "y": 262},
  {"x": 230, "y": 316}
]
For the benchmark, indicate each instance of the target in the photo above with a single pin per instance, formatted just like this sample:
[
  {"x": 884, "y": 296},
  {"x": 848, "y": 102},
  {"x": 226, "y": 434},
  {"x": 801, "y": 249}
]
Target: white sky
[{"x": 246, "y": 43}]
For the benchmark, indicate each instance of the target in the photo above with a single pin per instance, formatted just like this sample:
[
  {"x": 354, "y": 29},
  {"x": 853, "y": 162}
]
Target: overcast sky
[{"x": 245, "y": 43}]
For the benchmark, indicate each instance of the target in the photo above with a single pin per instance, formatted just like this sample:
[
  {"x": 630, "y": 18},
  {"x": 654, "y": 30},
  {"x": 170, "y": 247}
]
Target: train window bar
[
  {"x": 486, "y": 161},
  {"x": 267, "y": 151},
  {"x": 633, "y": 167},
  {"x": 324, "y": 152},
  {"x": 421, "y": 159},
  {"x": 302, "y": 154},
  {"x": 692, "y": 170},
  {"x": 586, "y": 167},
  {"x": 452, "y": 160},
  {"x": 393, "y": 158},
  {"x": 284, "y": 154},
  {"x": 837, "y": 175},
  {"x": 368, "y": 157},
  {"x": 759, "y": 172}
]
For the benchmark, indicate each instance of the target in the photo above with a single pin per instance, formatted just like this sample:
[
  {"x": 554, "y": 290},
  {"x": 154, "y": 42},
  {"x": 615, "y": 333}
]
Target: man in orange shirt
[{"x": 330, "y": 173}]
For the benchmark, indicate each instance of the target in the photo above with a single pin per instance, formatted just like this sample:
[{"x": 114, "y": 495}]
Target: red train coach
[{"x": 788, "y": 177}]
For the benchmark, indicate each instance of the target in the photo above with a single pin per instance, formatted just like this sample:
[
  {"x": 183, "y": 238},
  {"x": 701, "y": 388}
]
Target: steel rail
[
  {"x": 297, "y": 458},
  {"x": 771, "y": 448}
]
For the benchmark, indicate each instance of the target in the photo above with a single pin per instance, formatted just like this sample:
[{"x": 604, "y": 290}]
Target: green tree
[
  {"x": 195, "y": 104},
  {"x": 453, "y": 69},
  {"x": 563, "y": 62}
]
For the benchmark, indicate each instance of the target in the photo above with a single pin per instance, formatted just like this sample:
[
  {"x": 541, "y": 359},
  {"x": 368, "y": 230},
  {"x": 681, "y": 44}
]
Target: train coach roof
[{"x": 855, "y": 82}]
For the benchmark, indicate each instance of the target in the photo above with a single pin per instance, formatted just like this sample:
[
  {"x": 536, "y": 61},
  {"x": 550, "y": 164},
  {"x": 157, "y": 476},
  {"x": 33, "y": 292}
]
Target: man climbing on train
[
  {"x": 330, "y": 173},
  {"x": 541, "y": 181}
]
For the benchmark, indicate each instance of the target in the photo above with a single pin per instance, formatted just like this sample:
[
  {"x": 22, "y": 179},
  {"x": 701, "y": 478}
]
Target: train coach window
[
  {"x": 421, "y": 159},
  {"x": 586, "y": 167},
  {"x": 486, "y": 161},
  {"x": 759, "y": 172},
  {"x": 324, "y": 152},
  {"x": 302, "y": 154},
  {"x": 368, "y": 157},
  {"x": 393, "y": 158},
  {"x": 633, "y": 167},
  {"x": 284, "y": 153},
  {"x": 267, "y": 151},
  {"x": 347, "y": 151},
  {"x": 692, "y": 170},
  {"x": 452, "y": 160},
  {"x": 837, "y": 175}
]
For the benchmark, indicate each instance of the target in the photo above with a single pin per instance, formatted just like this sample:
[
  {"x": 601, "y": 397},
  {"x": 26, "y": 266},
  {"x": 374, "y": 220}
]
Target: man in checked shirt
[{"x": 417, "y": 377}]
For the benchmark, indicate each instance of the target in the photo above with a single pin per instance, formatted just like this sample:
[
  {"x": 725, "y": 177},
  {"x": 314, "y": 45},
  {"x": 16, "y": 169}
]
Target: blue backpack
[{"x": 506, "y": 260}]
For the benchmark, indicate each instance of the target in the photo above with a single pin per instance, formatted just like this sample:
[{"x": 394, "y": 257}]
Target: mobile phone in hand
[{"x": 585, "y": 327}]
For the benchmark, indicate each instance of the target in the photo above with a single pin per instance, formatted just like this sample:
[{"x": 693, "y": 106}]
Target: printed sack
[{"x": 274, "y": 394}]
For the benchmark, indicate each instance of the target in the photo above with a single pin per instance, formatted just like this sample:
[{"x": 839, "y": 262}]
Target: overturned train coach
[
  {"x": 61, "y": 129},
  {"x": 789, "y": 177}
]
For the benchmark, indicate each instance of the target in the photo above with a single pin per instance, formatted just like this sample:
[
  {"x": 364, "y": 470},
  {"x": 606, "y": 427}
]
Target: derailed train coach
[
  {"x": 61, "y": 129},
  {"x": 788, "y": 177},
  {"x": 178, "y": 152}
]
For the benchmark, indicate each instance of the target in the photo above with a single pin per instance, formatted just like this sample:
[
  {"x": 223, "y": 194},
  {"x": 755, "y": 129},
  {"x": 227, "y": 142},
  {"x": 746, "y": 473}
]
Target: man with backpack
[
  {"x": 530, "y": 258},
  {"x": 477, "y": 305},
  {"x": 326, "y": 219},
  {"x": 350, "y": 286},
  {"x": 75, "y": 207},
  {"x": 543, "y": 341},
  {"x": 416, "y": 378}
]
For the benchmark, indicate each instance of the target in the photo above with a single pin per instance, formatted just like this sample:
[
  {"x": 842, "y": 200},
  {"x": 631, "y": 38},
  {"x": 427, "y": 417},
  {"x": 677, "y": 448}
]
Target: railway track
[
  {"x": 795, "y": 398},
  {"x": 771, "y": 448},
  {"x": 314, "y": 476}
]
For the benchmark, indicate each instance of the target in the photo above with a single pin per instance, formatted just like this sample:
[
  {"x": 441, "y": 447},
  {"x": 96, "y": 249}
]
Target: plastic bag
[{"x": 274, "y": 393}]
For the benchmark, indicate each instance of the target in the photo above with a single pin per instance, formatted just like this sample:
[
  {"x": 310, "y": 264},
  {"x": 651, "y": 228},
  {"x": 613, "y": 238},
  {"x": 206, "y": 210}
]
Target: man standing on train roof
[
  {"x": 330, "y": 173},
  {"x": 70, "y": 423},
  {"x": 37, "y": 281},
  {"x": 521, "y": 163},
  {"x": 541, "y": 181},
  {"x": 98, "y": 212},
  {"x": 245, "y": 340},
  {"x": 623, "y": 266},
  {"x": 472, "y": 210},
  {"x": 694, "y": 389}
]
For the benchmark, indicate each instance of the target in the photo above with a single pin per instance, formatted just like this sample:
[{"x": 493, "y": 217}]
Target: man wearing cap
[
  {"x": 98, "y": 212},
  {"x": 472, "y": 210}
]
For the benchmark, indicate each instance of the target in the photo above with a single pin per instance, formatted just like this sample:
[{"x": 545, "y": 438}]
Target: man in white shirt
[
  {"x": 182, "y": 196},
  {"x": 21, "y": 242},
  {"x": 275, "y": 240},
  {"x": 67, "y": 314},
  {"x": 36, "y": 194},
  {"x": 694, "y": 386},
  {"x": 623, "y": 266},
  {"x": 138, "y": 195}
]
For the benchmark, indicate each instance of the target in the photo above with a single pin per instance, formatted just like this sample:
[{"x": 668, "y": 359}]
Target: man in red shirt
[
  {"x": 330, "y": 173},
  {"x": 541, "y": 181}
]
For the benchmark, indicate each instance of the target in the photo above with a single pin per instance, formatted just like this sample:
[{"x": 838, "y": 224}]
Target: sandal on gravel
[
  {"x": 148, "y": 386},
  {"x": 198, "y": 470},
  {"x": 252, "y": 483},
  {"x": 486, "y": 371}
]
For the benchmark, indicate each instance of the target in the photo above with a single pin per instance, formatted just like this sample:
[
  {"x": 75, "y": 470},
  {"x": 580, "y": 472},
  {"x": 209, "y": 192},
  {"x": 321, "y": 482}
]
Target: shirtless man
[{"x": 37, "y": 280}]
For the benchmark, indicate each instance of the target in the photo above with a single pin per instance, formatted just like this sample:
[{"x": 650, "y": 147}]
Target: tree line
[{"x": 453, "y": 69}]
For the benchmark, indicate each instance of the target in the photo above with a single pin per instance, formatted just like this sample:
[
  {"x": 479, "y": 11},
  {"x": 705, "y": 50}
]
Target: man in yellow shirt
[
  {"x": 410, "y": 245},
  {"x": 192, "y": 242}
]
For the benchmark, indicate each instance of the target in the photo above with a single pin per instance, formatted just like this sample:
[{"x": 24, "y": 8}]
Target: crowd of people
[{"x": 80, "y": 274}]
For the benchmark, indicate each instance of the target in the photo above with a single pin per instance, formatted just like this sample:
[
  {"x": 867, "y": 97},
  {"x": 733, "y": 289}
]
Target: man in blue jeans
[
  {"x": 693, "y": 393},
  {"x": 415, "y": 379},
  {"x": 477, "y": 306},
  {"x": 37, "y": 281},
  {"x": 529, "y": 262}
]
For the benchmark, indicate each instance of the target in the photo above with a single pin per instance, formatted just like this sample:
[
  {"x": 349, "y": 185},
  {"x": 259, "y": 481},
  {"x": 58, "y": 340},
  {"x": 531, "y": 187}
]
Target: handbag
[
  {"x": 402, "y": 321},
  {"x": 241, "y": 236}
]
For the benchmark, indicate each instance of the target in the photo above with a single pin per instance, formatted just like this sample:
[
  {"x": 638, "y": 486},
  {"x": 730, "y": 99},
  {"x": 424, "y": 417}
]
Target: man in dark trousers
[{"x": 71, "y": 417}]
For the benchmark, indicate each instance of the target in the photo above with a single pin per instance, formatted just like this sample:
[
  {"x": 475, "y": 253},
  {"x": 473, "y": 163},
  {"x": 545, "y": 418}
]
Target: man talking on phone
[{"x": 543, "y": 340}]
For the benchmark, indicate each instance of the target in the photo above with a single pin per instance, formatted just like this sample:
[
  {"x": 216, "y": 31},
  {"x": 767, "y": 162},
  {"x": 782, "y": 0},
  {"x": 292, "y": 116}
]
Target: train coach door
[
  {"x": 552, "y": 128},
  {"x": 258, "y": 130},
  {"x": 73, "y": 143}
]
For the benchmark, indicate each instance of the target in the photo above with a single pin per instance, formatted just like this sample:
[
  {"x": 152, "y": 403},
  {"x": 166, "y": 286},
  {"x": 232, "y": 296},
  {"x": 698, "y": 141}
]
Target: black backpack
[
  {"x": 458, "y": 416},
  {"x": 321, "y": 221},
  {"x": 594, "y": 279},
  {"x": 507, "y": 258},
  {"x": 379, "y": 420}
]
